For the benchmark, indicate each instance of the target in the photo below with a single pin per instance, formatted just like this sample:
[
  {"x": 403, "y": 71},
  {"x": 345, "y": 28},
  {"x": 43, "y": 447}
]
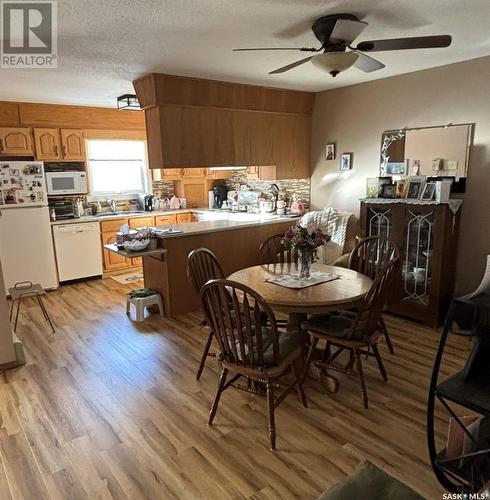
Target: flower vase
[{"x": 305, "y": 260}]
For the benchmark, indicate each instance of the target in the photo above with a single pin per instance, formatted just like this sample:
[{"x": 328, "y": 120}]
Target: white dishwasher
[{"x": 78, "y": 250}]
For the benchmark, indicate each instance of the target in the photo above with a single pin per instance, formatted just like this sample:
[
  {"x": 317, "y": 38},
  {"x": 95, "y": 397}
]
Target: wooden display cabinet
[{"x": 427, "y": 236}]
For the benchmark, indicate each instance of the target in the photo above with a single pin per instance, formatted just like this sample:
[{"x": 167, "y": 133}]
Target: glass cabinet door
[
  {"x": 417, "y": 259},
  {"x": 379, "y": 222}
]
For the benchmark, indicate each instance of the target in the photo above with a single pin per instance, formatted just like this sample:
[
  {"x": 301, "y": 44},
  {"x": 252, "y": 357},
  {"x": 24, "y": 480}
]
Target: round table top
[{"x": 342, "y": 293}]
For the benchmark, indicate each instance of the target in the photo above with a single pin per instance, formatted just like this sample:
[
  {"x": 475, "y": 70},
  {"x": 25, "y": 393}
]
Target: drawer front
[
  {"x": 141, "y": 222},
  {"x": 165, "y": 220},
  {"x": 184, "y": 218},
  {"x": 112, "y": 260},
  {"x": 112, "y": 225}
]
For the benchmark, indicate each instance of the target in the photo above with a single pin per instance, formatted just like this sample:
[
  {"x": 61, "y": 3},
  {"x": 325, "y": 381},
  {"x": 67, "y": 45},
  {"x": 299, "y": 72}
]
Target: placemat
[{"x": 292, "y": 281}]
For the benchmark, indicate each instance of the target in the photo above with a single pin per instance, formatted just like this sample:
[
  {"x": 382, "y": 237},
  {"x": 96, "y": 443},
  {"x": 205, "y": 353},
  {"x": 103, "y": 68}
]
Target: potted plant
[{"x": 305, "y": 243}]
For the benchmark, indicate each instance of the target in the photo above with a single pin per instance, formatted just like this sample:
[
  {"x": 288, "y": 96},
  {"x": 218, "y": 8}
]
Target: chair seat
[
  {"x": 288, "y": 342},
  {"x": 338, "y": 325}
]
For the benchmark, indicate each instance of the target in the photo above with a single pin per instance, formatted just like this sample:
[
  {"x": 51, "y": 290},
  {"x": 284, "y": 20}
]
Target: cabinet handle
[
  {"x": 63, "y": 149},
  {"x": 56, "y": 150},
  {"x": 1, "y": 145}
]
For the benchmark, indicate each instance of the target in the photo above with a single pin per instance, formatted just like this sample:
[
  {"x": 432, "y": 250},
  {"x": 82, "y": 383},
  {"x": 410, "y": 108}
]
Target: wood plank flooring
[{"x": 107, "y": 408}]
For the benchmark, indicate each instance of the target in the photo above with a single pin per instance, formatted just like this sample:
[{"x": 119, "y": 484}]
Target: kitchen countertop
[
  {"x": 213, "y": 226},
  {"x": 122, "y": 215}
]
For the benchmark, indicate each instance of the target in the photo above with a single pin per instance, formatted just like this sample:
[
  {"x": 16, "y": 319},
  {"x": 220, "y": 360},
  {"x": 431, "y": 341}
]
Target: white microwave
[{"x": 66, "y": 183}]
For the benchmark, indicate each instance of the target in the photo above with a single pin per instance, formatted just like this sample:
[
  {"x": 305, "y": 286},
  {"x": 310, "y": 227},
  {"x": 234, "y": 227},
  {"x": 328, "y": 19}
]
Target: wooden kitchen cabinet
[
  {"x": 141, "y": 222},
  {"x": 171, "y": 174},
  {"x": 262, "y": 173},
  {"x": 48, "y": 146},
  {"x": 72, "y": 144},
  {"x": 194, "y": 191},
  {"x": 16, "y": 141},
  {"x": 165, "y": 220},
  {"x": 112, "y": 261},
  {"x": 193, "y": 173},
  {"x": 54, "y": 144},
  {"x": 184, "y": 218}
]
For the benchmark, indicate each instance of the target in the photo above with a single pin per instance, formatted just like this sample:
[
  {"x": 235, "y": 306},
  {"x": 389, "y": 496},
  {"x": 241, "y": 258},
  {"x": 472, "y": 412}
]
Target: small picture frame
[
  {"x": 396, "y": 168},
  {"x": 388, "y": 191},
  {"x": 401, "y": 187},
  {"x": 414, "y": 189},
  {"x": 372, "y": 187},
  {"x": 330, "y": 151},
  {"x": 345, "y": 162},
  {"x": 429, "y": 191}
]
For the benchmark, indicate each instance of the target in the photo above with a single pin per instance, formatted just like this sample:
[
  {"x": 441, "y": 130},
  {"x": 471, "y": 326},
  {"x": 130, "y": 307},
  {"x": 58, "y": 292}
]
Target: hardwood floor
[{"x": 108, "y": 408}]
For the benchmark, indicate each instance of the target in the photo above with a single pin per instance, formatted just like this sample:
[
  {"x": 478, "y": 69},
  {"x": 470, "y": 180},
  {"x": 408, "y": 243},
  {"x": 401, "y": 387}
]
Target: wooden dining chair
[
  {"x": 250, "y": 347},
  {"x": 355, "y": 331},
  {"x": 369, "y": 257},
  {"x": 275, "y": 251},
  {"x": 202, "y": 266}
]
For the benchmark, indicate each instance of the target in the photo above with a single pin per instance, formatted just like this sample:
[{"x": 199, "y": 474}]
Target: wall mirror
[{"x": 441, "y": 151}]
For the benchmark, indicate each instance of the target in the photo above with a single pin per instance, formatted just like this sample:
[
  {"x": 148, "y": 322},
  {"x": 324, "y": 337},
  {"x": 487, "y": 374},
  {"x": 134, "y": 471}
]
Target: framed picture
[
  {"x": 346, "y": 162},
  {"x": 389, "y": 191},
  {"x": 396, "y": 168},
  {"x": 372, "y": 187},
  {"x": 414, "y": 189},
  {"x": 330, "y": 151},
  {"x": 381, "y": 182},
  {"x": 429, "y": 191},
  {"x": 401, "y": 187}
]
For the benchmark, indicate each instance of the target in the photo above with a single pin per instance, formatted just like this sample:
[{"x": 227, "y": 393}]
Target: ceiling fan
[{"x": 337, "y": 32}]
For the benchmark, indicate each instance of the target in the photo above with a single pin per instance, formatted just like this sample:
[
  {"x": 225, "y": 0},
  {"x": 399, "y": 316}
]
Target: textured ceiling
[{"x": 104, "y": 45}]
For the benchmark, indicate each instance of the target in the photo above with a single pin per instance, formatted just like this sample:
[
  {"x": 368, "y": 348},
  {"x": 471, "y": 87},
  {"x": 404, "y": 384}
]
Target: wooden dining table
[{"x": 345, "y": 292}]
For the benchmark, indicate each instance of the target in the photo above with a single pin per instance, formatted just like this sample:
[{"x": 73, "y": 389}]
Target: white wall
[{"x": 355, "y": 117}]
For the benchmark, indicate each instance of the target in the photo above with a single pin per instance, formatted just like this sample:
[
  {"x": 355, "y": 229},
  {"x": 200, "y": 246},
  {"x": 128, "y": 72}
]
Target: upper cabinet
[
  {"x": 15, "y": 141},
  {"x": 72, "y": 144},
  {"x": 194, "y": 123},
  {"x": 54, "y": 144},
  {"x": 48, "y": 147}
]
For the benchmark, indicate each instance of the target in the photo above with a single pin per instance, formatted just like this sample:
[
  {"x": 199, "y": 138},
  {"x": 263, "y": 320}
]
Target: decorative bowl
[{"x": 136, "y": 245}]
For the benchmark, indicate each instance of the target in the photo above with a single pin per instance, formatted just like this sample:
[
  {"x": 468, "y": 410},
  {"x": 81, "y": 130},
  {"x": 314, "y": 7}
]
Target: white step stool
[{"x": 141, "y": 298}]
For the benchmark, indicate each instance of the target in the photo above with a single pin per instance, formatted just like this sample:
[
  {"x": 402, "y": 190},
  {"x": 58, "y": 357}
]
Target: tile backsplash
[{"x": 288, "y": 187}]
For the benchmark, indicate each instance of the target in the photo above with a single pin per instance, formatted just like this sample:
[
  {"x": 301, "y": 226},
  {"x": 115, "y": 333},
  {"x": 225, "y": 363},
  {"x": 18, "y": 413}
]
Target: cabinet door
[
  {"x": 171, "y": 174},
  {"x": 73, "y": 144},
  {"x": 195, "y": 193},
  {"x": 184, "y": 218},
  {"x": 141, "y": 222},
  {"x": 47, "y": 142},
  {"x": 196, "y": 136},
  {"x": 193, "y": 173},
  {"x": 15, "y": 142},
  {"x": 253, "y": 173},
  {"x": 252, "y": 138},
  {"x": 165, "y": 220},
  {"x": 112, "y": 260}
]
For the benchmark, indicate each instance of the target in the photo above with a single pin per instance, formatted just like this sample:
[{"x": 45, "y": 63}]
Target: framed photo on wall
[
  {"x": 330, "y": 151},
  {"x": 346, "y": 162}
]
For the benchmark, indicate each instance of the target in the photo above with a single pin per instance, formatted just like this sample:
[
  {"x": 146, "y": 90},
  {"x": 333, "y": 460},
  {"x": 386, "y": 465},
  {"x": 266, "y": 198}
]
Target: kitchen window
[{"x": 117, "y": 167}]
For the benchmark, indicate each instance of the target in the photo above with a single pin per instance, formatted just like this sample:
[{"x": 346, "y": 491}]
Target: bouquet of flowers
[{"x": 305, "y": 243}]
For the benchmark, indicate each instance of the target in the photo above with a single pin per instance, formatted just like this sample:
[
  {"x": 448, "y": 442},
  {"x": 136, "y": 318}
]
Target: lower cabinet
[{"x": 114, "y": 262}]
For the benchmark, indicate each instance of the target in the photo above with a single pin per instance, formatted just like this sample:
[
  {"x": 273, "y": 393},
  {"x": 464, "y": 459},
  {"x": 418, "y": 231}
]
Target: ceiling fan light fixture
[{"x": 335, "y": 62}]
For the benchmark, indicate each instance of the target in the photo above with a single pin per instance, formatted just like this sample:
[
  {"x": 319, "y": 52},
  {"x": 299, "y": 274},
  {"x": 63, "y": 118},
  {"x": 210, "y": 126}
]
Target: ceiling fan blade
[
  {"x": 302, "y": 49},
  {"x": 347, "y": 30},
  {"x": 290, "y": 66},
  {"x": 367, "y": 64},
  {"x": 417, "y": 42}
]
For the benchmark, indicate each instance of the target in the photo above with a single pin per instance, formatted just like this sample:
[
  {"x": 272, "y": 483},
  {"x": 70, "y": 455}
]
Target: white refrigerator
[{"x": 26, "y": 243}]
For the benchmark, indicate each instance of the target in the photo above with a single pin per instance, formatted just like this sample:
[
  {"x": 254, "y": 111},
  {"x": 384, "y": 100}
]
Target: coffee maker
[
  {"x": 220, "y": 195},
  {"x": 147, "y": 202}
]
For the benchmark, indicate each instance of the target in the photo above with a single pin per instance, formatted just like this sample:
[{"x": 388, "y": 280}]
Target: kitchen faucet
[{"x": 113, "y": 205}]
